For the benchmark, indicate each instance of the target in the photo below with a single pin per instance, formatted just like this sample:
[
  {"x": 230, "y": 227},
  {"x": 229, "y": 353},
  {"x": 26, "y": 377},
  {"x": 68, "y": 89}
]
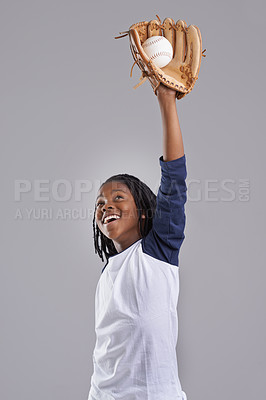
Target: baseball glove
[{"x": 183, "y": 70}]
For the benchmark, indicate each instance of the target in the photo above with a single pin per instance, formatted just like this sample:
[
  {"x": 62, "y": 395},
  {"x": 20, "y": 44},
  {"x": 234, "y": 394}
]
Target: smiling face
[{"x": 115, "y": 198}]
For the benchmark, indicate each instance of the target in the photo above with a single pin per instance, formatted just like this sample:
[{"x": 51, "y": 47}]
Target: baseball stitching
[
  {"x": 161, "y": 53},
  {"x": 153, "y": 42}
]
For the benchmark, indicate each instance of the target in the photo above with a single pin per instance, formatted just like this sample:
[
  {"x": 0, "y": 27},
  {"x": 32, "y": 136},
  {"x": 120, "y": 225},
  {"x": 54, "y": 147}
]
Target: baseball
[{"x": 159, "y": 50}]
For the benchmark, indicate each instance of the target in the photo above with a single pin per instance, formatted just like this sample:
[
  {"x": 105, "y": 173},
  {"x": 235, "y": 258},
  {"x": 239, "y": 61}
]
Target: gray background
[{"x": 69, "y": 111}]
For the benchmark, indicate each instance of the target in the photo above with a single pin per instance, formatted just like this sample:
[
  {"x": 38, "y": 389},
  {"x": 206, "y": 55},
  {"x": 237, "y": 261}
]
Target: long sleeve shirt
[{"x": 136, "y": 320}]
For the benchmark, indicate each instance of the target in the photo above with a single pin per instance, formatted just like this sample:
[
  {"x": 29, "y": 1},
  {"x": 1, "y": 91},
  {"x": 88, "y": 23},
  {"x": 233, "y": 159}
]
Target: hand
[{"x": 165, "y": 93}]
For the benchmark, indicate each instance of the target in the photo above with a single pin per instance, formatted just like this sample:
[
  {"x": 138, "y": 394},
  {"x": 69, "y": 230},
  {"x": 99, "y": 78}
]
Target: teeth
[{"x": 110, "y": 217}]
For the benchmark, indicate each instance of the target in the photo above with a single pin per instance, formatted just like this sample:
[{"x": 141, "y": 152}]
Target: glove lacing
[{"x": 144, "y": 76}]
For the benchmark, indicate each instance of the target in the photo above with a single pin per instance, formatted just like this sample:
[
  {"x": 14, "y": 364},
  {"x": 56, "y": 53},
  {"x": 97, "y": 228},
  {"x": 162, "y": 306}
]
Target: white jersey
[{"x": 136, "y": 320}]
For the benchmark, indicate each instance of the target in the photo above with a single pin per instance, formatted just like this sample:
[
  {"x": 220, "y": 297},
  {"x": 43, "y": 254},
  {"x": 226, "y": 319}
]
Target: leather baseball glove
[{"x": 183, "y": 70}]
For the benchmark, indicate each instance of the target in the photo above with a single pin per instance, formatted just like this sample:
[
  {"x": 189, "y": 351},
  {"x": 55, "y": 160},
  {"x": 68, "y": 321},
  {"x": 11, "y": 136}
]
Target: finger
[
  {"x": 136, "y": 48},
  {"x": 154, "y": 28},
  {"x": 180, "y": 42},
  {"x": 142, "y": 30},
  {"x": 194, "y": 47},
  {"x": 169, "y": 32}
]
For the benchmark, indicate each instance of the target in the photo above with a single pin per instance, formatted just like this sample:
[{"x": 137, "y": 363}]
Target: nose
[{"x": 105, "y": 207}]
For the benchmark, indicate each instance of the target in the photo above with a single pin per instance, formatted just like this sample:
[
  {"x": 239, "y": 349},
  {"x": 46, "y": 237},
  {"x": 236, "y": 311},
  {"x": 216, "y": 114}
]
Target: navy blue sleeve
[{"x": 164, "y": 240}]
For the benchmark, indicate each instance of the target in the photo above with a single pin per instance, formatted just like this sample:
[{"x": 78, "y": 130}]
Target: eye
[{"x": 100, "y": 202}]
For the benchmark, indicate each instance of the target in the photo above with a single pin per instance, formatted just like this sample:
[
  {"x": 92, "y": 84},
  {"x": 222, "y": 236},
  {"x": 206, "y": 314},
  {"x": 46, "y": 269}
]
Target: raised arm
[
  {"x": 164, "y": 240},
  {"x": 173, "y": 146}
]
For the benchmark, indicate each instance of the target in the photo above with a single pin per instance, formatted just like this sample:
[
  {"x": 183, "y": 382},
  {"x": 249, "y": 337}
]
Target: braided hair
[{"x": 145, "y": 201}]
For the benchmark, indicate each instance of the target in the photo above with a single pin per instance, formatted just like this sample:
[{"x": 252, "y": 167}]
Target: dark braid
[{"x": 145, "y": 201}]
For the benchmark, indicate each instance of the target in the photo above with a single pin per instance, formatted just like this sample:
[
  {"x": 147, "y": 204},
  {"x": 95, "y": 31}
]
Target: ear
[{"x": 143, "y": 216}]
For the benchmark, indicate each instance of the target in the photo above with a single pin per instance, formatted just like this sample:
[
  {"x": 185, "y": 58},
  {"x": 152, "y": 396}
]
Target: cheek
[
  {"x": 130, "y": 213},
  {"x": 98, "y": 216}
]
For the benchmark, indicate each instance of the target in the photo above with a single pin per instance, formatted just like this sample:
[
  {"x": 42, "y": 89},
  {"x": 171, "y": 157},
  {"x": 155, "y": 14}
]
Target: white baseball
[{"x": 159, "y": 50}]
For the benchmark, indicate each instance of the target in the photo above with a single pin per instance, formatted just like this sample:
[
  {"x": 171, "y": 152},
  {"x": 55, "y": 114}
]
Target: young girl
[{"x": 140, "y": 236}]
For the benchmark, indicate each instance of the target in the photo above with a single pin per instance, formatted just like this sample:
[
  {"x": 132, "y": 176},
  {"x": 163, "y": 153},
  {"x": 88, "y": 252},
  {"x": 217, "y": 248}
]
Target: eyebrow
[{"x": 114, "y": 190}]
